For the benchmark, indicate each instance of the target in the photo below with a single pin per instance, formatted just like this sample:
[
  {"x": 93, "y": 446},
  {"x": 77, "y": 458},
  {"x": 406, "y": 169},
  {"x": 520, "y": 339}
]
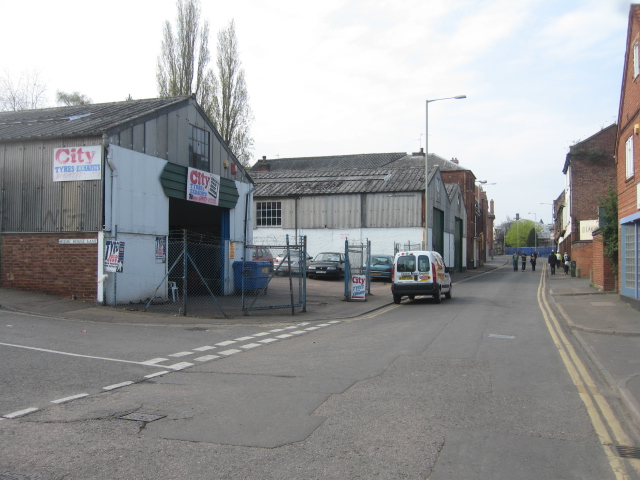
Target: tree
[
  {"x": 183, "y": 69},
  {"x": 26, "y": 93},
  {"x": 518, "y": 234},
  {"x": 183, "y": 62},
  {"x": 231, "y": 114},
  {"x": 69, "y": 99},
  {"x": 609, "y": 224}
]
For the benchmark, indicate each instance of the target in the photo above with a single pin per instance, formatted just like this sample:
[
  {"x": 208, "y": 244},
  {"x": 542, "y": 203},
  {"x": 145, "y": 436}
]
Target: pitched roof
[
  {"x": 78, "y": 120},
  {"x": 325, "y": 182},
  {"x": 337, "y": 162}
]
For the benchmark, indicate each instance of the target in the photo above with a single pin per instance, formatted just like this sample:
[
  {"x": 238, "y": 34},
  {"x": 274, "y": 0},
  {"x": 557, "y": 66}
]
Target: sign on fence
[
  {"x": 161, "y": 249},
  {"x": 358, "y": 287},
  {"x": 114, "y": 256}
]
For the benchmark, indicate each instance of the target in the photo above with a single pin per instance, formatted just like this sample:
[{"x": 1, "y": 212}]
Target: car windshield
[
  {"x": 380, "y": 261},
  {"x": 328, "y": 257}
]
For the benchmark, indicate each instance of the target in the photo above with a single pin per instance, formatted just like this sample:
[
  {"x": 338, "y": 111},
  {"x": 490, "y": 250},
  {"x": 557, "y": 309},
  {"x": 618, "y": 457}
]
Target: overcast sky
[{"x": 351, "y": 76}]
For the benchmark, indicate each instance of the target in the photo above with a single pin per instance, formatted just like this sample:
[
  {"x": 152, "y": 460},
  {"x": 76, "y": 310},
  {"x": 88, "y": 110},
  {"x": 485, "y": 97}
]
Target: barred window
[
  {"x": 269, "y": 214},
  {"x": 199, "y": 149}
]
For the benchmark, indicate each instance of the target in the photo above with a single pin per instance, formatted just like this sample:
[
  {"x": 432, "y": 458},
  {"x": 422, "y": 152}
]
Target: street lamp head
[{"x": 459, "y": 97}]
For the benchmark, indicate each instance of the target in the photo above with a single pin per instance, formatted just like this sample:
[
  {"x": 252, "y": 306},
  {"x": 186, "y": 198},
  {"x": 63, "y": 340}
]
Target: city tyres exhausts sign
[
  {"x": 202, "y": 187},
  {"x": 77, "y": 163}
]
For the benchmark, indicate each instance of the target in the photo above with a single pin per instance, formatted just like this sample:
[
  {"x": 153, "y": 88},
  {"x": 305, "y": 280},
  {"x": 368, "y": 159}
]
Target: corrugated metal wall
[
  {"x": 379, "y": 210},
  {"x": 32, "y": 202}
]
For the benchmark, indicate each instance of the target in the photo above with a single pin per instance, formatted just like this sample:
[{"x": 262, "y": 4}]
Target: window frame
[
  {"x": 269, "y": 213},
  {"x": 199, "y": 148},
  {"x": 629, "y": 164}
]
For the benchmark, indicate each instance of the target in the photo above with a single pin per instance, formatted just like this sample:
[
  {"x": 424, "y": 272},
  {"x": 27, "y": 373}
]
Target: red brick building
[
  {"x": 590, "y": 172},
  {"x": 628, "y": 163}
]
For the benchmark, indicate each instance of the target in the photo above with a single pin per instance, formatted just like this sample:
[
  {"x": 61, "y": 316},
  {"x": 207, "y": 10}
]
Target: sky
[{"x": 342, "y": 77}]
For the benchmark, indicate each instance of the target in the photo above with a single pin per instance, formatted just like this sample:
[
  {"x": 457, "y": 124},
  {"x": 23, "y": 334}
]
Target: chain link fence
[{"x": 189, "y": 273}]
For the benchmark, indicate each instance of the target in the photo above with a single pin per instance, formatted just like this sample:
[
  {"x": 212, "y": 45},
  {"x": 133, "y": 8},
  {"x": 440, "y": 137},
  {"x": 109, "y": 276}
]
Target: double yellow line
[{"x": 605, "y": 423}]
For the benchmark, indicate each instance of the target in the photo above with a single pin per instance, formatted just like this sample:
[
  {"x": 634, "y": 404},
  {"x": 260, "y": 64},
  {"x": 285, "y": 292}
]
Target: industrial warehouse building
[{"x": 90, "y": 195}]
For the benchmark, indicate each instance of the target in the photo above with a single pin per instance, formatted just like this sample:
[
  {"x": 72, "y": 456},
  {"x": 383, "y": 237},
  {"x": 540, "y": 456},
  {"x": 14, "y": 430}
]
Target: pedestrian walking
[
  {"x": 567, "y": 263},
  {"x": 553, "y": 260},
  {"x": 515, "y": 261},
  {"x": 524, "y": 260},
  {"x": 532, "y": 260}
]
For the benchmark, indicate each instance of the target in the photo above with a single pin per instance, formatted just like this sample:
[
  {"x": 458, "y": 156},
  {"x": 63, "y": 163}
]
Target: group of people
[
  {"x": 523, "y": 257},
  {"x": 555, "y": 259}
]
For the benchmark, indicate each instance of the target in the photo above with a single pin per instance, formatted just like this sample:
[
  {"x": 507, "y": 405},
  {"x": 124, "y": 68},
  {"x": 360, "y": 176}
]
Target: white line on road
[
  {"x": 68, "y": 399},
  {"x": 157, "y": 374},
  {"x": 20, "y": 413},
  {"x": 45, "y": 350},
  {"x": 117, "y": 385},
  {"x": 180, "y": 354},
  {"x": 250, "y": 345},
  {"x": 204, "y": 349},
  {"x": 230, "y": 352},
  {"x": 206, "y": 358}
]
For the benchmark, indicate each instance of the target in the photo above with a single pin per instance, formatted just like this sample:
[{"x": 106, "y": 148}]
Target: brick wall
[
  {"x": 582, "y": 254},
  {"x": 603, "y": 276},
  {"x": 38, "y": 262}
]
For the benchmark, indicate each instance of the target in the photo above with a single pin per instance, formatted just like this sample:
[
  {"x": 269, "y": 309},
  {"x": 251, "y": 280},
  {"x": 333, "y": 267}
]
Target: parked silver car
[{"x": 284, "y": 266}]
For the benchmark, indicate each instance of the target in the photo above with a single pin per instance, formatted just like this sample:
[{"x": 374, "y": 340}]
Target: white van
[{"x": 420, "y": 273}]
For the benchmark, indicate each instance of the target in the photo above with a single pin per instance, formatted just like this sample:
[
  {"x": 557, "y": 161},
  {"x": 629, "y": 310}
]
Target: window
[
  {"x": 629, "y": 156},
  {"x": 199, "y": 149},
  {"x": 636, "y": 65},
  {"x": 268, "y": 214}
]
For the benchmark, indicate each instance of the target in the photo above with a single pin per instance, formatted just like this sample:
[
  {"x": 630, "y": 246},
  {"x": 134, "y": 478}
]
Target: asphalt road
[{"x": 474, "y": 387}]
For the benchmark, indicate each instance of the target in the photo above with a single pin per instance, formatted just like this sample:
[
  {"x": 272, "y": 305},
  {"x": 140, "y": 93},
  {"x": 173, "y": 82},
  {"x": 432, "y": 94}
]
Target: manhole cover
[
  {"x": 628, "y": 452},
  {"x": 142, "y": 417}
]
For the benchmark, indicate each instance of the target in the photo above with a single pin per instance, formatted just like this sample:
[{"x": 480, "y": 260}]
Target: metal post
[{"x": 185, "y": 263}]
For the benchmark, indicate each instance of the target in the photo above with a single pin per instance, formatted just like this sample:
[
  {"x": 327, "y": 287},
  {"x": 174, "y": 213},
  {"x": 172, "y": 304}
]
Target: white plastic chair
[{"x": 174, "y": 291}]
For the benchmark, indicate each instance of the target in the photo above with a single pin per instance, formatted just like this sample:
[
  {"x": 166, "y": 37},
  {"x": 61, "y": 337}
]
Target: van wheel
[
  {"x": 412, "y": 297},
  {"x": 438, "y": 296},
  {"x": 396, "y": 299},
  {"x": 448, "y": 294}
]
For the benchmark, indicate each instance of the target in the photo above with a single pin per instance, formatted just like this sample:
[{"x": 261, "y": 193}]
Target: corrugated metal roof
[
  {"x": 78, "y": 120},
  {"x": 368, "y": 160},
  {"x": 324, "y": 182}
]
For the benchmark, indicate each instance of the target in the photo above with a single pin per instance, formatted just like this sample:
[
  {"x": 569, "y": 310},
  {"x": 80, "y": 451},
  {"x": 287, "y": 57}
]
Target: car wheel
[
  {"x": 448, "y": 294},
  {"x": 396, "y": 299},
  {"x": 438, "y": 295},
  {"x": 412, "y": 297}
]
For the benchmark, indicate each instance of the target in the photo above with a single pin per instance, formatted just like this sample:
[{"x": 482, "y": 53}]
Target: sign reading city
[
  {"x": 202, "y": 187},
  {"x": 77, "y": 163}
]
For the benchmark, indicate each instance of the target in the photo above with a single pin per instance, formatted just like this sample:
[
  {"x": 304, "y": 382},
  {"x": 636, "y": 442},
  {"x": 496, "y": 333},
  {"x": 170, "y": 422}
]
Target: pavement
[{"x": 607, "y": 328}]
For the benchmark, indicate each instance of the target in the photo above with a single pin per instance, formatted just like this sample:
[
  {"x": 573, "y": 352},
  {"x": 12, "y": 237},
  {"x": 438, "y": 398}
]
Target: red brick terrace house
[
  {"x": 628, "y": 164},
  {"x": 590, "y": 171}
]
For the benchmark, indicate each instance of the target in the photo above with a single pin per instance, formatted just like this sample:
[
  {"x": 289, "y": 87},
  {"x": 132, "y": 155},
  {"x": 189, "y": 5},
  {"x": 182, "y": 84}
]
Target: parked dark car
[
  {"x": 327, "y": 264},
  {"x": 380, "y": 266}
]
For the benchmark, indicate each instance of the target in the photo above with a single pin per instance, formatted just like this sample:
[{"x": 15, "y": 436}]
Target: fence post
[
  {"x": 185, "y": 263},
  {"x": 304, "y": 274}
]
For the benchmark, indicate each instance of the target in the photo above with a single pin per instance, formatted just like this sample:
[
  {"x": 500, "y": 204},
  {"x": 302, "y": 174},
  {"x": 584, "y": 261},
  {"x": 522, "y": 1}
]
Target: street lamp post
[{"x": 426, "y": 166}]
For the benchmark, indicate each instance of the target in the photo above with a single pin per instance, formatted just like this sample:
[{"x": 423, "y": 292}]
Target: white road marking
[
  {"x": 204, "y": 349},
  {"x": 157, "y": 374},
  {"x": 20, "y": 413},
  {"x": 312, "y": 328},
  {"x": 117, "y": 385},
  {"x": 242, "y": 339},
  {"x": 180, "y": 354},
  {"x": 224, "y": 344},
  {"x": 268, "y": 340},
  {"x": 179, "y": 366},
  {"x": 250, "y": 345},
  {"x": 298, "y": 332},
  {"x": 206, "y": 358},
  {"x": 45, "y": 350},
  {"x": 230, "y": 352},
  {"x": 284, "y": 335},
  {"x": 153, "y": 361},
  {"x": 68, "y": 399},
  {"x": 277, "y": 330},
  {"x": 261, "y": 334}
]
